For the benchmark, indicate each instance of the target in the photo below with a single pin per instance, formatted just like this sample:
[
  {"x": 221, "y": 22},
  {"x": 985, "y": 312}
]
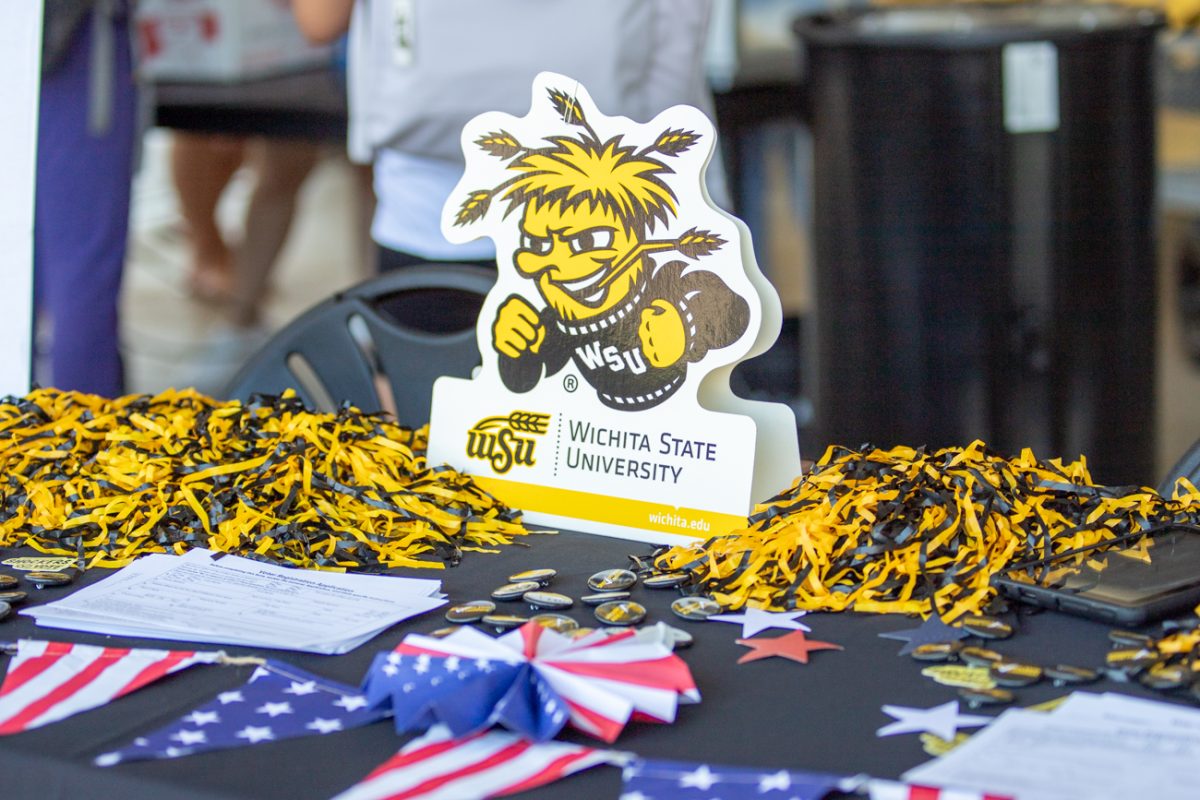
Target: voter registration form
[{"x": 204, "y": 596}]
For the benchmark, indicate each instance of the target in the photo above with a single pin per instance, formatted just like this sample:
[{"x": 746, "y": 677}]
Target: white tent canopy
[{"x": 20, "y": 57}]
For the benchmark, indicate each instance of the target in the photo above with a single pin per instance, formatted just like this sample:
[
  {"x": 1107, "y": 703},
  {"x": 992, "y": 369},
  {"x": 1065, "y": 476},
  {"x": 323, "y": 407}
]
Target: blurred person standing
[
  {"x": 87, "y": 129},
  {"x": 420, "y": 69},
  {"x": 202, "y": 165}
]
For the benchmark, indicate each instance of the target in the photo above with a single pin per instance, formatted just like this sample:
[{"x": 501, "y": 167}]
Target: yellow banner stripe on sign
[{"x": 638, "y": 514}]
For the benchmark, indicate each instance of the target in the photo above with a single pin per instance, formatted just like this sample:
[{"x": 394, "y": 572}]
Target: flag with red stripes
[
  {"x": 487, "y": 764},
  {"x": 49, "y": 681},
  {"x": 893, "y": 790}
]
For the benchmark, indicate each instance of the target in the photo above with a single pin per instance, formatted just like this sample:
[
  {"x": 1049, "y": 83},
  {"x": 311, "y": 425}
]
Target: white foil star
[
  {"x": 942, "y": 721},
  {"x": 755, "y": 620}
]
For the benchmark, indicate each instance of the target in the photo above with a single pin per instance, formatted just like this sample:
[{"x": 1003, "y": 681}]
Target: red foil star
[{"x": 794, "y": 646}]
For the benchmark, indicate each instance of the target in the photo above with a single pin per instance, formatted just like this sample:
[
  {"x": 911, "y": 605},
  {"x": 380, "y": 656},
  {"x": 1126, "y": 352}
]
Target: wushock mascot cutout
[{"x": 623, "y": 300}]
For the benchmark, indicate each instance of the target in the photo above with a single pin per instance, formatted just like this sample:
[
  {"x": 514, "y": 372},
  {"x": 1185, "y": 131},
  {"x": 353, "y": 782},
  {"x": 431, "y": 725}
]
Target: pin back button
[
  {"x": 549, "y": 600},
  {"x": 5, "y": 610},
  {"x": 470, "y": 612},
  {"x": 1130, "y": 639},
  {"x": 679, "y": 638},
  {"x": 514, "y": 591},
  {"x": 666, "y": 580},
  {"x": 1066, "y": 675},
  {"x": 603, "y": 597},
  {"x": 13, "y": 596},
  {"x": 641, "y": 564},
  {"x": 621, "y": 612},
  {"x": 696, "y": 609},
  {"x": 503, "y": 622},
  {"x": 936, "y": 651},
  {"x": 977, "y": 697},
  {"x": 979, "y": 656},
  {"x": 559, "y": 623},
  {"x": 986, "y": 627},
  {"x": 612, "y": 580},
  {"x": 9, "y": 581},
  {"x": 542, "y": 577},
  {"x": 1132, "y": 660},
  {"x": 1182, "y": 624},
  {"x": 1164, "y": 677},
  {"x": 44, "y": 579},
  {"x": 1014, "y": 673}
]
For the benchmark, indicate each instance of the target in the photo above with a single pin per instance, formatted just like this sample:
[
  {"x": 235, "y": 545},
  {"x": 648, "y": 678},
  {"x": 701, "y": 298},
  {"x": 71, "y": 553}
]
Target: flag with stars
[
  {"x": 278, "y": 702},
  {"x": 49, "y": 681},
  {"x": 532, "y": 681},
  {"x": 677, "y": 780}
]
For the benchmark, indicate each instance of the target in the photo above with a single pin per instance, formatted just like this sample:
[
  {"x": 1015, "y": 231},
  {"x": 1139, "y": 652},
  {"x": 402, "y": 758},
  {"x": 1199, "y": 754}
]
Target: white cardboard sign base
[{"x": 654, "y": 476}]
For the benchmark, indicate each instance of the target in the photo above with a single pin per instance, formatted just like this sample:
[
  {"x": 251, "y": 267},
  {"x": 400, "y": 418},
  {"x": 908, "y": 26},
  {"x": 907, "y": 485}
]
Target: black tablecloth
[{"x": 771, "y": 713}]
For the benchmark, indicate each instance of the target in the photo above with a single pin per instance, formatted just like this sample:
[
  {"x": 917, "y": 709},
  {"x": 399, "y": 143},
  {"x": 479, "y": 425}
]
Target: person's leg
[
  {"x": 281, "y": 165},
  {"x": 364, "y": 182},
  {"x": 82, "y": 219},
  {"x": 201, "y": 166}
]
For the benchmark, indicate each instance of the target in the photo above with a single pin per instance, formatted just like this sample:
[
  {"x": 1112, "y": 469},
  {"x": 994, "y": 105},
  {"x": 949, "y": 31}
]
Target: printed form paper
[
  {"x": 232, "y": 600},
  {"x": 1093, "y": 747}
]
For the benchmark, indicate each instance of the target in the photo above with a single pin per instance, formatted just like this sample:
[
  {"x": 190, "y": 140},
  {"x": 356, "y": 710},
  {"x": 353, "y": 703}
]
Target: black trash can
[{"x": 983, "y": 215}]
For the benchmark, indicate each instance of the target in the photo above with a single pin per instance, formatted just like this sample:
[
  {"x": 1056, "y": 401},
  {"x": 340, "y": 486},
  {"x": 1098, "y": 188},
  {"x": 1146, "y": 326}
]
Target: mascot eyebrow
[{"x": 604, "y": 174}]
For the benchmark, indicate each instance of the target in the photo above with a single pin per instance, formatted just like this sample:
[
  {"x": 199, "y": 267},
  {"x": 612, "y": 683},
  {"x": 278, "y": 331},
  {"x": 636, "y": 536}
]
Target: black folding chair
[{"x": 379, "y": 345}]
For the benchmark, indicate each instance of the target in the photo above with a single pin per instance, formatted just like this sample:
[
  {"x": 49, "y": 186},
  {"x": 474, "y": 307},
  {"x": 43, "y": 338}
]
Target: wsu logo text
[{"x": 498, "y": 440}]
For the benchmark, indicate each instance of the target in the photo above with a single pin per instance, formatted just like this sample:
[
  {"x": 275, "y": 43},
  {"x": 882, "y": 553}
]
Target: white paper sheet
[
  {"x": 232, "y": 600},
  {"x": 1093, "y": 747}
]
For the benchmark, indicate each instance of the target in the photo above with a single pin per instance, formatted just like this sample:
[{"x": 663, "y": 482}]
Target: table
[
  {"x": 306, "y": 105},
  {"x": 771, "y": 713}
]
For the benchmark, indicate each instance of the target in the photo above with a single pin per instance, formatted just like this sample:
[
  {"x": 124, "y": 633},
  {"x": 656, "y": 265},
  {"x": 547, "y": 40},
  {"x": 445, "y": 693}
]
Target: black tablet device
[{"x": 1138, "y": 579}]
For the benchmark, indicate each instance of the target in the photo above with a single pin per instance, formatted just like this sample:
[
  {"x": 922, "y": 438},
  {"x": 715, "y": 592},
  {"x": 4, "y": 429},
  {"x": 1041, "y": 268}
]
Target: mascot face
[{"x": 571, "y": 254}]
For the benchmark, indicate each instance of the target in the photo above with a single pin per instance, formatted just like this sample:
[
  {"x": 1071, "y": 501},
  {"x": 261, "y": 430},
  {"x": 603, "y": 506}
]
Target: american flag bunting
[
  {"x": 485, "y": 764},
  {"x": 278, "y": 702},
  {"x": 647, "y": 779},
  {"x": 50, "y": 681}
]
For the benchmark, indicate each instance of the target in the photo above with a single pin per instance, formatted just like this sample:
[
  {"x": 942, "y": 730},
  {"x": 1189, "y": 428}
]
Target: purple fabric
[{"x": 81, "y": 218}]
